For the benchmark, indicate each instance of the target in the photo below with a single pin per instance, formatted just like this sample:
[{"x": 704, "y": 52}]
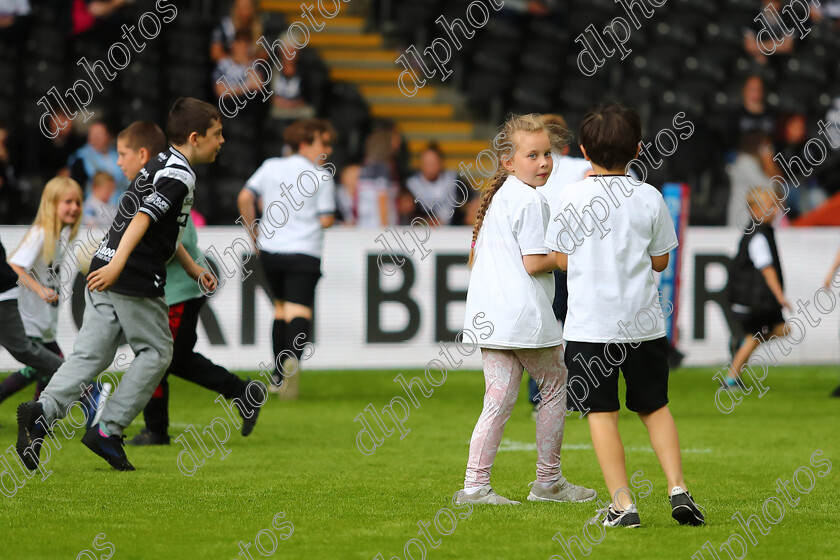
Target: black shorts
[
  {"x": 593, "y": 375},
  {"x": 760, "y": 323},
  {"x": 291, "y": 276}
]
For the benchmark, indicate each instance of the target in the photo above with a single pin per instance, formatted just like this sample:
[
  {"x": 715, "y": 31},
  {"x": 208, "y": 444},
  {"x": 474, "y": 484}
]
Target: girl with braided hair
[{"x": 512, "y": 287}]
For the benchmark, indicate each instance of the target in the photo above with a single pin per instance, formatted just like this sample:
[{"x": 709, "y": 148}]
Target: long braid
[{"x": 486, "y": 197}]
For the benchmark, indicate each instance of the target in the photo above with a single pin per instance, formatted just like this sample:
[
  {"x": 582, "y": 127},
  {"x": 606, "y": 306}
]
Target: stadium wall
[{"x": 368, "y": 319}]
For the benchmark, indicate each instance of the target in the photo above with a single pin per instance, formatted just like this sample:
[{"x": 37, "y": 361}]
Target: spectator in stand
[
  {"x": 776, "y": 29},
  {"x": 752, "y": 168},
  {"x": 99, "y": 154},
  {"x": 828, "y": 13},
  {"x": 10, "y": 11},
  {"x": 10, "y": 194},
  {"x": 377, "y": 191},
  {"x": 434, "y": 188},
  {"x": 346, "y": 195},
  {"x": 97, "y": 18},
  {"x": 97, "y": 210},
  {"x": 792, "y": 137},
  {"x": 45, "y": 157},
  {"x": 290, "y": 89},
  {"x": 244, "y": 15},
  {"x": 234, "y": 68},
  {"x": 753, "y": 115}
]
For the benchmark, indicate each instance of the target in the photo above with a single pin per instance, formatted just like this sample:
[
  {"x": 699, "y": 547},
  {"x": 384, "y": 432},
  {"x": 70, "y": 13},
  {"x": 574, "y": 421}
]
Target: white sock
[
  {"x": 676, "y": 490},
  {"x": 473, "y": 490}
]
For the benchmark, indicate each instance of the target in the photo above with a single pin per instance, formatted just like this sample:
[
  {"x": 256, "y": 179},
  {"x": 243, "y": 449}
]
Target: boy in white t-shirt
[
  {"x": 511, "y": 288},
  {"x": 612, "y": 233}
]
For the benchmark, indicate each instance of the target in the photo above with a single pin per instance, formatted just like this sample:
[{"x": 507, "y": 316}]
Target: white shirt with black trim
[
  {"x": 295, "y": 194},
  {"x": 610, "y": 278},
  {"x": 517, "y": 304}
]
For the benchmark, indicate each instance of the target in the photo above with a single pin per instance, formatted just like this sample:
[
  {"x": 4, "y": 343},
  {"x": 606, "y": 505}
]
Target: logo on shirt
[{"x": 157, "y": 201}]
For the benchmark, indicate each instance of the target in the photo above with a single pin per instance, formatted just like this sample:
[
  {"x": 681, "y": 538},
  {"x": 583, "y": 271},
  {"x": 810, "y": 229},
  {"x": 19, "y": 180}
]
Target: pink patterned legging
[{"x": 502, "y": 377}]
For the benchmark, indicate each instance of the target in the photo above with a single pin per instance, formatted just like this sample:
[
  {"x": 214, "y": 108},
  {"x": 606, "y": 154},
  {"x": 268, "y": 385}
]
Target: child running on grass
[
  {"x": 610, "y": 280},
  {"x": 756, "y": 284},
  {"x": 511, "y": 286},
  {"x": 36, "y": 262},
  {"x": 125, "y": 292},
  {"x": 136, "y": 146}
]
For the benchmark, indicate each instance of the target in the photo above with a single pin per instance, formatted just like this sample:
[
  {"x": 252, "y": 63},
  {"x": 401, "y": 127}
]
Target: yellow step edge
[
  {"x": 366, "y": 56},
  {"x": 435, "y": 127},
  {"x": 361, "y": 40},
  {"x": 364, "y": 74},
  {"x": 450, "y": 163},
  {"x": 411, "y": 111},
  {"x": 393, "y": 91},
  {"x": 416, "y": 147},
  {"x": 337, "y": 21},
  {"x": 281, "y": 5}
]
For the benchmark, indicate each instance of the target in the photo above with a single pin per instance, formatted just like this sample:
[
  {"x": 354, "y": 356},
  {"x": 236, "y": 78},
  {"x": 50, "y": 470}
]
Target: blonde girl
[
  {"x": 37, "y": 261},
  {"x": 511, "y": 286}
]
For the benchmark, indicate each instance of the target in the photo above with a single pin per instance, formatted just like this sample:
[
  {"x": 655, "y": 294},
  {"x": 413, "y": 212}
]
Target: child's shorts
[
  {"x": 760, "y": 323},
  {"x": 593, "y": 375}
]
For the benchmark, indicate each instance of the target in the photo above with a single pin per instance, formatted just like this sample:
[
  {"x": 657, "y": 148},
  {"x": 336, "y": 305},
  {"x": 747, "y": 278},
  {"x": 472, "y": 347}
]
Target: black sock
[
  {"x": 297, "y": 327},
  {"x": 14, "y": 383},
  {"x": 278, "y": 339}
]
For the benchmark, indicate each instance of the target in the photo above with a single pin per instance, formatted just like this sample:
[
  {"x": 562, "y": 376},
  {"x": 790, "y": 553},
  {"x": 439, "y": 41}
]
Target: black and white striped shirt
[{"x": 164, "y": 190}]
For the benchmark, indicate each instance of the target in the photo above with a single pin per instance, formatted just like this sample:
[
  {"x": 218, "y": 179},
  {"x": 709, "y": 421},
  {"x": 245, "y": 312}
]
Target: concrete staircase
[{"x": 356, "y": 56}]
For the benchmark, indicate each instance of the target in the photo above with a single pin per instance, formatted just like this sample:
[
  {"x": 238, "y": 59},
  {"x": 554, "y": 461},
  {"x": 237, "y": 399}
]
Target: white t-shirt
[
  {"x": 374, "y": 181},
  {"x": 40, "y": 319},
  {"x": 501, "y": 291},
  {"x": 759, "y": 251},
  {"x": 610, "y": 278},
  {"x": 295, "y": 194},
  {"x": 566, "y": 170},
  {"x": 438, "y": 196}
]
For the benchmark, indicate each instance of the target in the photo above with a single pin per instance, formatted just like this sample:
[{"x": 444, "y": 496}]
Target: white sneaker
[
  {"x": 561, "y": 491},
  {"x": 484, "y": 496}
]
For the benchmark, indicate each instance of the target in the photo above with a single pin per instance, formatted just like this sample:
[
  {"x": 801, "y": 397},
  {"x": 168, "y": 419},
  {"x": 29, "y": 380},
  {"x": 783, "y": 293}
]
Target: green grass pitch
[{"x": 302, "y": 460}]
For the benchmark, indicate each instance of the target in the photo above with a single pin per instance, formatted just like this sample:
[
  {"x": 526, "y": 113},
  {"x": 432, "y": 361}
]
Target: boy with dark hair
[
  {"x": 126, "y": 288},
  {"x": 610, "y": 279},
  {"x": 136, "y": 145}
]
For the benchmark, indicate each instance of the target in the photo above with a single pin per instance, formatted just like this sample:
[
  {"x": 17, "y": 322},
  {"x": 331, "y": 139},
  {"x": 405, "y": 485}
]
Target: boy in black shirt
[
  {"x": 126, "y": 288},
  {"x": 756, "y": 284}
]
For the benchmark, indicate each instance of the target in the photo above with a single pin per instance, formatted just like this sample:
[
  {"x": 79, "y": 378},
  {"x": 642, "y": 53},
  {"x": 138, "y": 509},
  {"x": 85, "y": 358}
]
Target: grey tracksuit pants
[
  {"x": 22, "y": 348},
  {"x": 145, "y": 322}
]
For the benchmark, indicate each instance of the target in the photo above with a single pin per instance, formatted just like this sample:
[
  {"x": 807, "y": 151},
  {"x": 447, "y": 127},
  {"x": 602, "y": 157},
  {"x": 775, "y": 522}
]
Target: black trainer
[
  {"x": 684, "y": 509},
  {"x": 30, "y": 434},
  {"x": 109, "y": 448},
  {"x": 148, "y": 437},
  {"x": 626, "y": 518},
  {"x": 836, "y": 392},
  {"x": 248, "y": 411}
]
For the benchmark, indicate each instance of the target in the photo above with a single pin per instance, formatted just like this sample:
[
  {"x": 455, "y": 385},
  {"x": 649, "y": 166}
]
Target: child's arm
[
  {"x": 772, "y": 280},
  {"x": 834, "y": 266},
  {"x": 247, "y": 201},
  {"x": 47, "y": 294},
  {"x": 660, "y": 262},
  {"x": 105, "y": 277},
  {"x": 195, "y": 270},
  {"x": 539, "y": 264},
  {"x": 562, "y": 261}
]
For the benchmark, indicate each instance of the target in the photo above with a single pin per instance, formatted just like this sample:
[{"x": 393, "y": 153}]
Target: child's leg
[
  {"x": 546, "y": 366},
  {"x": 502, "y": 375},
  {"x": 43, "y": 377},
  {"x": 145, "y": 322},
  {"x": 22, "y": 348},
  {"x": 742, "y": 356},
  {"x": 94, "y": 348},
  {"x": 603, "y": 428},
  {"x": 16, "y": 381},
  {"x": 666, "y": 444}
]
